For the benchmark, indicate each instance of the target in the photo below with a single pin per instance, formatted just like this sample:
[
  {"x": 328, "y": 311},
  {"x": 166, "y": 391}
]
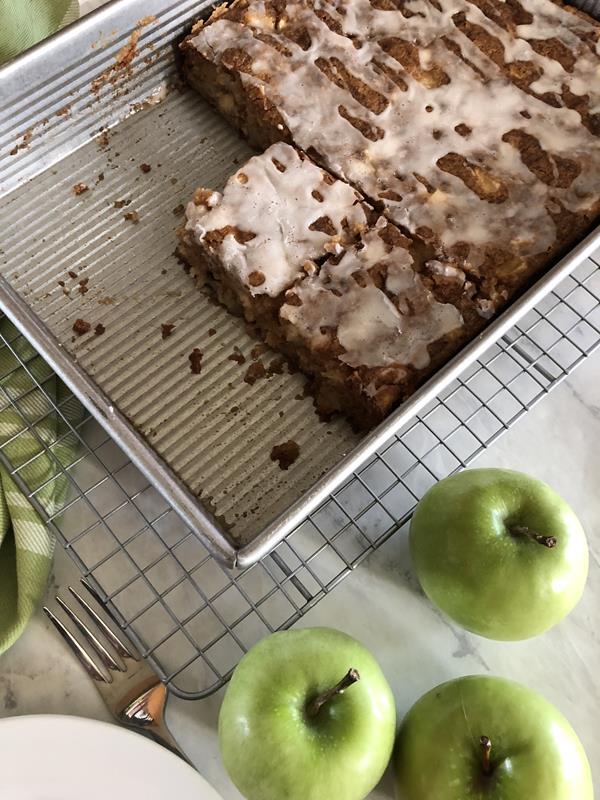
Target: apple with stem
[
  {"x": 308, "y": 715},
  {"x": 485, "y": 738},
  {"x": 499, "y": 552}
]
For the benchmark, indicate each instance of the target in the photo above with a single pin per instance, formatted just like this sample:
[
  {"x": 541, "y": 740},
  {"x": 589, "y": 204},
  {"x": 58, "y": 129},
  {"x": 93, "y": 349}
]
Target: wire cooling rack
[{"x": 191, "y": 617}]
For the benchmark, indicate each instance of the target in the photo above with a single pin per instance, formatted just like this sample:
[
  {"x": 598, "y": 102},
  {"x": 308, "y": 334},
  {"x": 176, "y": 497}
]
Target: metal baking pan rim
[
  {"x": 176, "y": 492},
  {"x": 287, "y": 521},
  {"x": 156, "y": 469},
  {"x": 116, "y": 424}
]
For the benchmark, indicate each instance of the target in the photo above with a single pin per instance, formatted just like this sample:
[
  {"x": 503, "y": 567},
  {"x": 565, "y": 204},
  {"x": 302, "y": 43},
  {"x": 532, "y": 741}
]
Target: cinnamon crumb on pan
[
  {"x": 237, "y": 356},
  {"x": 285, "y": 454},
  {"x": 195, "y": 358},
  {"x": 255, "y": 371},
  {"x": 81, "y": 326}
]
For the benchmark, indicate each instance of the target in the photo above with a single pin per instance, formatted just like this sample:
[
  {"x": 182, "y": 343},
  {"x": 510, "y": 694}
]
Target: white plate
[{"x": 69, "y": 758}]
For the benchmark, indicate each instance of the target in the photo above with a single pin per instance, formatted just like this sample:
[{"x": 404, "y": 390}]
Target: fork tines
[{"x": 123, "y": 649}]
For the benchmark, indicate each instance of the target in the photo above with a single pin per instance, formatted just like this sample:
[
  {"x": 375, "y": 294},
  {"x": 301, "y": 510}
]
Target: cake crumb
[
  {"x": 276, "y": 366},
  {"x": 281, "y": 413},
  {"x": 178, "y": 210},
  {"x": 121, "y": 203},
  {"x": 61, "y": 283},
  {"x": 258, "y": 351},
  {"x": 254, "y": 372},
  {"x": 132, "y": 216},
  {"x": 237, "y": 356},
  {"x": 166, "y": 329},
  {"x": 106, "y": 301},
  {"x": 212, "y": 331},
  {"x": 81, "y": 326},
  {"x": 102, "y": 140},
  {"x": 99, "y": 329},
  {"x": 195, "y": 358},
  {"x": 234, "y": 409},
  {"x": 72, "y": 274},
  {"x": 285, "y": 454},
  {"x": 80, "y": 188},
  {"x": 145, "y": 168},
  {"x": 100, "y": 177}
]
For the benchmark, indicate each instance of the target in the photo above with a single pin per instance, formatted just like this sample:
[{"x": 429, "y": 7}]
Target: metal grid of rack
[{"x": 193, "y": 618}]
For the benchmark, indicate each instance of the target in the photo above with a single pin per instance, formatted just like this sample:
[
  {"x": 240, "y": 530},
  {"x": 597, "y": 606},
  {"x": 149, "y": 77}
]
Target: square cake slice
[
  {"x": 368, "y": 327},
  {"x": 277, "y": 215},
  {"x": 327, "y": 282}
]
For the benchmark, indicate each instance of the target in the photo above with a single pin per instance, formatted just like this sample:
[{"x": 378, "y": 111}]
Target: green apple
[
  {"x": 308, "y": 715},
  {"x": 499, "y": 552},
  {"x": 483, "y": 738}
]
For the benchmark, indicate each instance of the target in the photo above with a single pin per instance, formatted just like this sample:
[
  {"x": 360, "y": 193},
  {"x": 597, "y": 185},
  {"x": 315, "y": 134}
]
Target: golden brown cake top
[
  {"x": 276, "y": 213},
  {"x": 475, "y": 122}
]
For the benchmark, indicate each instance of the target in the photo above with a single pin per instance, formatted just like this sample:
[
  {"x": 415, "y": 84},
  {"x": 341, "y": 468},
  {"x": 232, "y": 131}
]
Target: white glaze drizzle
[
  {"x": 376, "y": 328},
  {"x": 278, "y": 207},
  {"x": 490, "y": 107}
]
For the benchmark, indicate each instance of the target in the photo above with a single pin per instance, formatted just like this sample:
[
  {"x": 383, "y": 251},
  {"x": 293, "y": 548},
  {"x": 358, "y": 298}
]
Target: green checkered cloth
[
  {"x": 38, "y": 445},
  {"x": 25, "y": 22}
]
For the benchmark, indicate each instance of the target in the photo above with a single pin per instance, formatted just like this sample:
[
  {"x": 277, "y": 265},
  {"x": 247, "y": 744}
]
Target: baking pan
[{"x": 100, "y": 146}]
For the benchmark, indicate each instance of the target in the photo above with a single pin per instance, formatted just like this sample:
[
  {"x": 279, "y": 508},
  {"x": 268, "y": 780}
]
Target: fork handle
[{"x": 145, "y": 714}]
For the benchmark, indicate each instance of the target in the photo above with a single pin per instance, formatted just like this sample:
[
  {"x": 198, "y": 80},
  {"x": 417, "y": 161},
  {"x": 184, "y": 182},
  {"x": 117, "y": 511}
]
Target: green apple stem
[
  {"x": 523, "y": 530},
  {"x": 486, "y": 752},
  {"x": 319, "y": 701}
]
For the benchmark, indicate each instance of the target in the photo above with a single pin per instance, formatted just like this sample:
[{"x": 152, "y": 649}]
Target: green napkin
[
  {"x": 25, "y": 22},
  {"x": 26, "y": 545}
]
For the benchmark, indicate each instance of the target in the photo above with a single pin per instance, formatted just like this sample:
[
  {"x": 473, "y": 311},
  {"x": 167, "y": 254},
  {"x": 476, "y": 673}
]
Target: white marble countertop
[{"x": 381, "y": 605}]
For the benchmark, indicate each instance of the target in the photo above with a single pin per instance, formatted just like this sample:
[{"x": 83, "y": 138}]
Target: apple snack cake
[
  {"x": 471, "y": 126},
  {"x": 326, "y": 280}
]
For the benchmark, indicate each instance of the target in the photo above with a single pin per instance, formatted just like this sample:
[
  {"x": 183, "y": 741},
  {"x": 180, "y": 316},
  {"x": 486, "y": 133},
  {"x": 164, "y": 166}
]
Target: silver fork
[{"x": 131, "y": 690}]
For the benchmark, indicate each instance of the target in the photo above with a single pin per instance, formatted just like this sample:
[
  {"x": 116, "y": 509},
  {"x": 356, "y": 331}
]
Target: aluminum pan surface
[{"x": 213, "y": 430}]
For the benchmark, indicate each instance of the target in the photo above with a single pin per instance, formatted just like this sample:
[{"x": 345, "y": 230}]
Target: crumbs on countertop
[
  {"x": 285, "y": 454},
  {"x": 178, "y": 210},
  {"x": 195, "y": 358},
  {"x": 145, "y": 168},
  {"x": 166, "y": 329},
  {"x": 99, "y": 329},
  {"x": 80, "y": 188},
  {"x": 81, "y": 326},
  {"x": 121, "y": 203},
  {"x": 212, "y": 331},
  {"x": 72, "y": 274},
  {"x": 132, "y": 216}
]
